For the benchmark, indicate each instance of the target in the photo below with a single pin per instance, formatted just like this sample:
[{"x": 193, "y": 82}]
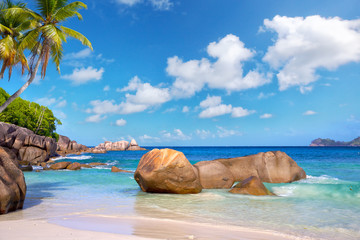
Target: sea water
[{"x": 324, "y": 205}]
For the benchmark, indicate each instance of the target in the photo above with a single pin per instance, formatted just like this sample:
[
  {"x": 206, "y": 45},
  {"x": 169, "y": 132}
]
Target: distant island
[{"x": 321, "y": 142}]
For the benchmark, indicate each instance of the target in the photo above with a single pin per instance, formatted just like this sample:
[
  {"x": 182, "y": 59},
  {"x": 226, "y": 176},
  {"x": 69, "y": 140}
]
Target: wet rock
[
  {"x": 166, "y": 171},
  {"x": 214, "y": 174},
  {"x": 116, "y": 169},
  {"x": 251, "y": 186},
  {"x": 74, "y": 166},
  {"x": 60, "y": 165}
]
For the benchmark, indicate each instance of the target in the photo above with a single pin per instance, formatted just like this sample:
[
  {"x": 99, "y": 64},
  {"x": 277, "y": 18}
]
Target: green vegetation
[
  {"x": 31, "y": 115},
  {"x": 42, "y": 33}
]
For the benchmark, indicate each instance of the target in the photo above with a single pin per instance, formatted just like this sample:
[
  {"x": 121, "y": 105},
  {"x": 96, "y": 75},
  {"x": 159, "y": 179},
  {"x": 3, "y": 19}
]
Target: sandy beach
[{"x": 87, "y": 227}]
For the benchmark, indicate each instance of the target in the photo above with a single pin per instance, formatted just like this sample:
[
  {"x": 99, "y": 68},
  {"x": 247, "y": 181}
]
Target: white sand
[{"x": 97, "y": 227}]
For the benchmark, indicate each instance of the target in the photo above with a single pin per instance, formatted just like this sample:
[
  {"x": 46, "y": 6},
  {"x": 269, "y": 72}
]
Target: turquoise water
[{"x": 325, "y": 205}]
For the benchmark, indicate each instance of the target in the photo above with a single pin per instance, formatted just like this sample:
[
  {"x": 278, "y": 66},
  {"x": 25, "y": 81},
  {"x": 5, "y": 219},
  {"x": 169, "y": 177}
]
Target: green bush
[{"x": 30, "y": 115}]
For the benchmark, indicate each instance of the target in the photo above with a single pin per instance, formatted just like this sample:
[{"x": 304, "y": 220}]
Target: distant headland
[{"x": 321, "y": 142}]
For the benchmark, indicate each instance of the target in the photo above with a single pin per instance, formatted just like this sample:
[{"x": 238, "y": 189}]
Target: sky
[{"x": 207, "y": 73}]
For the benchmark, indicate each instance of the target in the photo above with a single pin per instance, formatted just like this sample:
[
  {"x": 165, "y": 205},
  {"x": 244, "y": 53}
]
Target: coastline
[{"x": 93, "y": 226}]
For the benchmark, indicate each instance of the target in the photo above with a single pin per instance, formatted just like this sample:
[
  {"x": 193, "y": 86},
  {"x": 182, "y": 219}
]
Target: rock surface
[
  {"x": 12, "y": 182},
  {"x": 66, "y": 146},
  {"x": 214, "y": 174},
  {"x": 26, "y": 145},
  {"x": 74, "y": 166},
  {"x": 59, "y": 165},
  {"x": 321, "y": 142},
  {"x": 116, "y": 169},
  {"x": 251, "y": 186},
  {"x": 271, "y": 167},
  {"x": 167, "y": 171},
  {"x": 117, "y": 146}
]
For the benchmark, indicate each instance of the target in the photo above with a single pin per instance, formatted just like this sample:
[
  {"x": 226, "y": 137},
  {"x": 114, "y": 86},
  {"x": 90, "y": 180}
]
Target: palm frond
[
  {"x": 4, "y": 29},
  {"x": 69, "y": 11},
  {"x": 56, "y": 55},
  {"x": 46, "y": 7},
  {"x": 30, "y": 39},
  {"x": 50, "y": 32},
  {"x": 72, "y": 33}
]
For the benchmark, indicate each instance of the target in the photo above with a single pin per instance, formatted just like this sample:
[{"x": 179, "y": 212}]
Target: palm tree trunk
[{"x": 22, "y": 89}]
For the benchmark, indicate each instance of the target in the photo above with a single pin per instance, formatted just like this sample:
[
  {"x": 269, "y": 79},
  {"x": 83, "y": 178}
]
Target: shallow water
[{"x": 325, "y": 205}]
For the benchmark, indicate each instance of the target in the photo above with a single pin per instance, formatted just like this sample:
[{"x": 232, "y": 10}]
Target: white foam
[
  {"x": 284, "y": 191},
  {"x": 323, "y": 179},
  {"x": 80, "y": 157}
]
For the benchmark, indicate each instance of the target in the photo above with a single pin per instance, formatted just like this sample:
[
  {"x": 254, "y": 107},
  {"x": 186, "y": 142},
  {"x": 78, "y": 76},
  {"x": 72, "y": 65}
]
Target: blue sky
[{"x": 206, "y": 72}]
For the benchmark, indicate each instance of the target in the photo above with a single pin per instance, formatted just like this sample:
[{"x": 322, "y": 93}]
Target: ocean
[{"x": 325, "y": 205}]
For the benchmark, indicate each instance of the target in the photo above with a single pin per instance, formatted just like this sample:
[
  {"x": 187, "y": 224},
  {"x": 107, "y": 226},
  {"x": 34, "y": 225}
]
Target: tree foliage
[{"x": 30, "y": 115}]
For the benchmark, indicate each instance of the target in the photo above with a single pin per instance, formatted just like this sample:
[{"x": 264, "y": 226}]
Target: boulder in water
[
  {"x": 251, "y": 186},
  {"x": 166, "y": 171}
]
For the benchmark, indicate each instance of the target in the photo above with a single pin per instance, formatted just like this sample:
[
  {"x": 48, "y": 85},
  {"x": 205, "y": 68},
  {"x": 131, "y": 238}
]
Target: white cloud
[
  {"x": 62, "y": 104},
  {"x": 45, "y": 101},
  {"x": 177, "y": 134},
  {"x": 225, "y": 73},
  {"x": 215, "y": 111},
  {"x": 85, "y": 53},
  {"x": 223, "y": 132},
  {"x": 128, "y": 2},
  {"x": 147, "y": 138},
  {"x": 241, "y": 112},
  {"x": 213, "y": 108},
  {"x": 266, "y": 115},
  {"x": 95, "y": 118},
  {"x": 265, "y": 95},
  {"x": 145, "y": 97},
  {"x": 304, "y": 45},
  {"x": 204, "y": 134},
  {"x": 59, "y": 114},
  {"x": 106, "y": 88},
  {"x": 309, "y": 112},
  {"x": 168, "y": 110},
  {"x": 157, "y": 4},
  {"x": 185, "y": 109},
  {"x": 161, "y": 4},
  {"x": 85, "y": 75},
  {"x": 120, "y": 122}
]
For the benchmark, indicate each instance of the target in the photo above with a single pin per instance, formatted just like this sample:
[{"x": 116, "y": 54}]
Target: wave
[
  {"x": 323, "y": 179},
  {"x": 80, "y": 157}
]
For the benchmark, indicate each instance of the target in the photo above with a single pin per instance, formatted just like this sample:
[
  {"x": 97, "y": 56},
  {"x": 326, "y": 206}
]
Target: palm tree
[
  {"x": 46, "y": 38},
  {"x": 11, "y": 28}
]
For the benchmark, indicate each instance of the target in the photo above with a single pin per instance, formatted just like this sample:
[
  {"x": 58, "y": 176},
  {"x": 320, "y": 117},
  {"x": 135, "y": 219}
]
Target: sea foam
[{"x": 80, "y": 157}]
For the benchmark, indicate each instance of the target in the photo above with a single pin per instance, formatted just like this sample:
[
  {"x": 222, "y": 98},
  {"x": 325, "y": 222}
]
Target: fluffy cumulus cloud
[
  {"x": 185, "y": 109},
  {"x": 95, "y": 118},
  {"x": 120, "y": 122},
  {"x": 266, "y": 115},
  {"x": 84, "y": 75},
  {"x": 106, "y": 88},
  {"x": 212, "y": 107},
  {"x": 204, "y": 134},
  {"x": 304, "y": 45},
  {"x": 224, "y": 73},
  {"x": 145, "y": 96}
]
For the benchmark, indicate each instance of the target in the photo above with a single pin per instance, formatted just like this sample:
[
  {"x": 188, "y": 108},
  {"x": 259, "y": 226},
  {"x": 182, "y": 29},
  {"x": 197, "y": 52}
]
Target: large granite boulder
[
  {"x": 66, "y": 146},
  {"x": 214, "y": 174},
  {"x": 271, "y": 167},
  {"x": 59, "y": 165},
  {"x": 74, "y": 166},
  {"x": 251, "y": 186},
  {"x": 167, "y": 171},
  {"x": 12, "y": 182},
  {"x": 116, "y": 146},
  {"x": 26, "y": 145}
]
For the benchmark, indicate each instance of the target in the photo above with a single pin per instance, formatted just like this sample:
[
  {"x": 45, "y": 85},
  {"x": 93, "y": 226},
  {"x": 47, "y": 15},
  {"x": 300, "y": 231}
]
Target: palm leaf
[
  {"x": 72, "y": 33},
  {"x": 46, "y": 7},
  {"x": 29, "y": 40},
  {"x": 69, "y": 11},
  {"x": 4, "y": 29},
  {"x": 56, "y": 55}
]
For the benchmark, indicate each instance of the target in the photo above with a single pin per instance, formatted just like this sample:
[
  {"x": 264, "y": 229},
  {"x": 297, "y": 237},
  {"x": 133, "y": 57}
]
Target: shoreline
[{"x": 94, "y": 226}]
